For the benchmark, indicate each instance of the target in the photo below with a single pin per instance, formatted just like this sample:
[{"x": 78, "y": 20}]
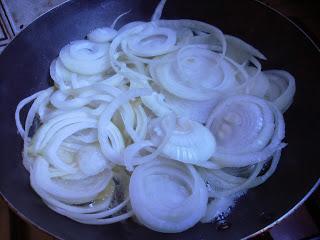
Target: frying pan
[{"x": 24, "y": 69}]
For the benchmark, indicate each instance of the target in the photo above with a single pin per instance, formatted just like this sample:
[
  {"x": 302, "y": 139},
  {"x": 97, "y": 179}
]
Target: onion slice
[
  {"x": 248, "y": 130},
  {"x": 184, "y": 203}
]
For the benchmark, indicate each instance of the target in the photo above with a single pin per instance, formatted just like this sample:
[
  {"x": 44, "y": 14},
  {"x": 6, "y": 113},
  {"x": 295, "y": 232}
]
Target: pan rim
[{"x": 275, "y": 222}]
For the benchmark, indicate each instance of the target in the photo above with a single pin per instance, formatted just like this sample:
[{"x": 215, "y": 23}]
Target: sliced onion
[
  {"x": 131, "y": 156},
  {"x": 155, "y": 102},
  {"x": 217, "y": 207},
  {"x": 151, "y": 41},
  {"x": 230, "y": 183},
  {"x": 97, "y": 211},
  {"x": 66, "y": 79},
  {"x": 282, "y": 88},
  {"x": 132, "y": 102},
  {"x": 41, "y": 95},
  {"x": 260, "y": 83},
  {"x": 241, "y": 51},
  {"x": 91, "y": 161},
  {"x": 102, "y": 35},
  {"x": 158, "y": 11},
  {"x": 195, "y": 73},
  {"x": 75, "y": 99},
  {"x": 197, "y": 26},
  {"x": 184, "y": 203},
  {"x": 40, "y": 99},
  {"x": 193, "y": 110},
  {"x": 69, "y": 191},
  {"x": 112, "y": 151},
  {"x": 130, "y": 25},
  {"x": 85, "y": 57},
  {"x": 247, "y": 129},
  {"x": 186, "y": 142}
]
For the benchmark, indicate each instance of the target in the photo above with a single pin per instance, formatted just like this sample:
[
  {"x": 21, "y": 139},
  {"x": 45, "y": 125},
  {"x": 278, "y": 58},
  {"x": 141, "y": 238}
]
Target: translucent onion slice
[
  {"x": 39, "y": 106},
  {"x": 85, "y": 57},
  {"x": 99, "y": 210},
  {"x": 66, "y": 101},
  {"x": 193, "y": 110},
  {"x": 102, "y": 35},
  {"x": 260, "y": 84},
  {"x": 105, "y": 34},
  {"x": 247, "y": 129},
  {"x": 155, "y": 102},
  {"x": 68, "y": 191},
  {"x": 120, "y": 41},
  {"x": 51, "y": 151},
  {"x": 158, "y": 11},
  {"x": 91, "y": 160},
  {"x": 131, "y": 154},
  {"x": 51, "y": 135},
  {"x": 95, "y": 94},
  {"x": 217, "y": 207},
  {"x": 198, "y": 27},
  {"x": 282, "y": 88},
  {"x": 183, "y": 204},
  {"x": 50, "y": 127},
  {"x": 38, "y": 99},
  {"x": 66, "y": 79},
  {"x": 110, "y": 138},
  {"x": 134, "y": 120},
  {"x": 152, "y": 41},
  {"x": 118, "y": 208},
  {"x": 229, "y": 182},
  {"x": 195, "y": 73},
  {"x": 241, "y": 51},
  {"x": 129, "y": 25},
  {"x": 186, "y": 143}
]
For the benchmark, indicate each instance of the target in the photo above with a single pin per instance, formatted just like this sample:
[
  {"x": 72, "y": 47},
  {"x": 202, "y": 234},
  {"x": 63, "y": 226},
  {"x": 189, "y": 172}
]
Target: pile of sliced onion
[{"x": 168, "y": 121}]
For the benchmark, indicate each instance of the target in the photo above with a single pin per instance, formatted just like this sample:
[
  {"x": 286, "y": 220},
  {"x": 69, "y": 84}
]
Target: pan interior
[{"x": 24, "y": 69}]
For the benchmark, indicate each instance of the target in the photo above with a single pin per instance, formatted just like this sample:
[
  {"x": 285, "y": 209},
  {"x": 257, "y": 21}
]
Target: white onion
[
  {"x": 216, "y": 207},
  {"x": 247, "y": 129},
  {"x": 158, "y": 11},
  {"x": 66, "y": 79},
  {"x": 194, "y": 73},
  {"x": 85, "y": 57},
  {"x": 69, "y": 191},
  {"x": 260, "y": 83},
  {"x": 107, "y": 130},
  {"x": 186, "y": 142},
  {"x": 184, "y": 203},
  {"x": 97, "y": 212},
  {"x": 240, "y": 51},
  {"x": 194, "y": 110},
  {"x": 91, "y": 161},
  {"x": 230, "y": 182},
  {"x": 121, "y": 134},
  {"x": 152, "y": 41},
  {"x": 166, "y": 125},
  {"x": 282, "y": 88},
  {"x": 102, "y": 35}
]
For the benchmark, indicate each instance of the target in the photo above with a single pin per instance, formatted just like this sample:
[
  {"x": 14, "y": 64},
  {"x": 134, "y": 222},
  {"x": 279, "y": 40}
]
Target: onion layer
[
  {"x": 184, "y": 203},
  {"x": 186, "y": 142},
  {"x": 247, "y": 129}
]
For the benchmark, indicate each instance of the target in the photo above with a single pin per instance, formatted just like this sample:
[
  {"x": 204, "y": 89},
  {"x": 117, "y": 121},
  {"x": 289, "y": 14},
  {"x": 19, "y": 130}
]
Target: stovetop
[{"x": 15, "y": 15}]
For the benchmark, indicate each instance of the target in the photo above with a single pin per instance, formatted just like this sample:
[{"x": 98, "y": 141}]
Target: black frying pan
[{"x": 24, "y": 69}]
